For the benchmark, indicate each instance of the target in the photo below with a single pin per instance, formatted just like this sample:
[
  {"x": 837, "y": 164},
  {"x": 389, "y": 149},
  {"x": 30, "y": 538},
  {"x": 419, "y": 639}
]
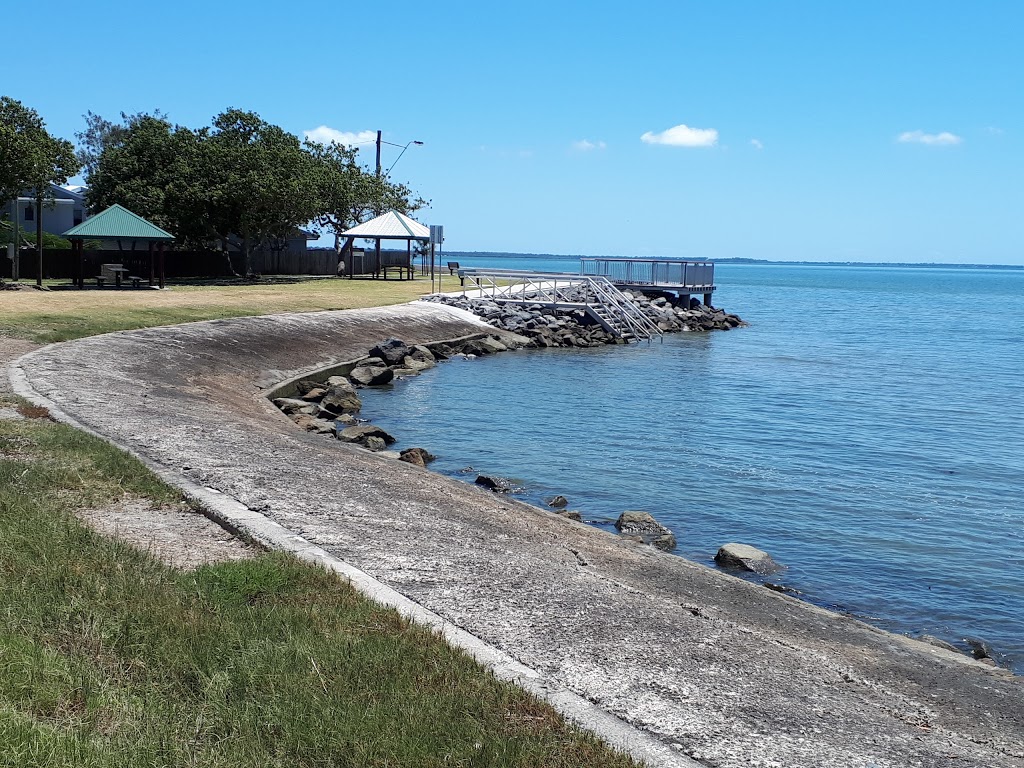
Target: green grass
[{"x": 109, "y": 658}]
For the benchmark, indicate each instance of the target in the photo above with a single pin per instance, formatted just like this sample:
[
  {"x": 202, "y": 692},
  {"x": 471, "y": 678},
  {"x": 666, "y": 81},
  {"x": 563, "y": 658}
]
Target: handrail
[{"x": 554, "y": 287}]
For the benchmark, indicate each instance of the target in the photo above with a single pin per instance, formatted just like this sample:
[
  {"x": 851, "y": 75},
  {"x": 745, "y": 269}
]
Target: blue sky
[{"x": 868, "y": 131}]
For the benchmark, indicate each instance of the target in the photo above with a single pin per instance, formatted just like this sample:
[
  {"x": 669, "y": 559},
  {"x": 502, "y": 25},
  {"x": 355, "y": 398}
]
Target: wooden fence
[{"x": 59, "y": 264}]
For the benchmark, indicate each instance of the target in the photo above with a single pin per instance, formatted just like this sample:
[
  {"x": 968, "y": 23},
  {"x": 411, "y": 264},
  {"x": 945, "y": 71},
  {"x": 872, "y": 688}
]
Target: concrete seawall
[{"x": 712, "y": 667}]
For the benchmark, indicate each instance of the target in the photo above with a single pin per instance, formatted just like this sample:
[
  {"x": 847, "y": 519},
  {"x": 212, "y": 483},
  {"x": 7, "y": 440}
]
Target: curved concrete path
[{"x": 723, "y": 671}]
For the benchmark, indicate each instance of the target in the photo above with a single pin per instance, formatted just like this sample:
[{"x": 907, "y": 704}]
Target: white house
[{"x": 65, "y": 210}]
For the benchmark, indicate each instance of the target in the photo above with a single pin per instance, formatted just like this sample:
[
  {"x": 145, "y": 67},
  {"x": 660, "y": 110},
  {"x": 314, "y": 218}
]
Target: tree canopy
[
  {"x": 30, "y": 158},
  {"x": 241, "y": 177}
]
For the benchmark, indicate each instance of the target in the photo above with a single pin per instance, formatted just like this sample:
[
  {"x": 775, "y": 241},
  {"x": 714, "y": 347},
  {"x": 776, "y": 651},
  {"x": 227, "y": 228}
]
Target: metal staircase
[{"x": 595, "y": 295}]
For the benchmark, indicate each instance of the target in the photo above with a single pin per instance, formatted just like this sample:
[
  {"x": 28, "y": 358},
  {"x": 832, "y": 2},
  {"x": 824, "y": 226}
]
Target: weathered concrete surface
[{"x": 727, "y": 672}]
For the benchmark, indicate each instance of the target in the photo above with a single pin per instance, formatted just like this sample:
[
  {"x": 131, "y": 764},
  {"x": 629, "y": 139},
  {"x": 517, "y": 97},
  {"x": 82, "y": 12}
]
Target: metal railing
[
  {"x": 697, "y": 276},
  {"x": 594, "y": 294}
]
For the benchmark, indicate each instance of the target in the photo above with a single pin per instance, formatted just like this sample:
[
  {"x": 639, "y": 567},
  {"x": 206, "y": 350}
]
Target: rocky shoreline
[
  {"x": 544, "y": 326},
  {"x": 331, "y": 407}
]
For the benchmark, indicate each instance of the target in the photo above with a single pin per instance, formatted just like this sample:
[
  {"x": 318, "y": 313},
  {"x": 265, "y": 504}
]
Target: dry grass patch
[{"x": 60, "y": 315}]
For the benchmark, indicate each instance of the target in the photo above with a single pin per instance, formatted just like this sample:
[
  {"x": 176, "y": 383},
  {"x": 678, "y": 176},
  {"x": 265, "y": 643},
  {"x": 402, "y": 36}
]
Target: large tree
[
  {"x": 31, "y": 159},
  {"x": 350, "y": 194},
  {"x": 263, "y": 181},
  {"x": 101, "y": 134},
  {"x": 149, "y": 169}
]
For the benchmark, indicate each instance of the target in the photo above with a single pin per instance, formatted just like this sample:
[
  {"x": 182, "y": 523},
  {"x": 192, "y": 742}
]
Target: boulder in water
[
  {"x": 746, "y": 558},
  {"x": 418, "y": 456},
  {"x": 371, "y": 375}
]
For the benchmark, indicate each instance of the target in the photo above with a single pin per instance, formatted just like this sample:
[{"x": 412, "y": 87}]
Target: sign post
[{"x": 436, "y": 238}]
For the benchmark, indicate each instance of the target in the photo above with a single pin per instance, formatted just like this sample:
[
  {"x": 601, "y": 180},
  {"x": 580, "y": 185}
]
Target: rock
[
  {"x": 979, "y": 648},
  {"x": 341, "y": 398},
  {"x": 571, "y": 514},
  {"x": 643, "y": 525},
  {"x": 359, "y": 433},
  {"x": 496, "y": 484},
  {"x": 303, "y": 387},
  {"x": 746, "y": 558},
  {"x": 392, "y": 351},
  {"x": 371, "y": 376},
  {"x": 389, "y": 455},
  {"x": 290, "y": 405},
  {"x": 492, "y": 344},
  {"x": 314, "y": 394},
  {"x": 418, "y": 456},
  {"x": 312, "y": 424},
  {"x": 558, "y": 502},
  {"x": 401, "y": 373},
  {"x": 633, "y": 522},
  {"x": 374, "y": 443},
  {"x": 412, "y": 363},
  {"x": 345, "y": 420},
  {"x": 421, "y": 354}
]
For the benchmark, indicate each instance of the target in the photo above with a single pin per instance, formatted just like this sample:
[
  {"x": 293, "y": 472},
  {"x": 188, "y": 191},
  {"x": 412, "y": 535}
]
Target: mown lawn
[
  {"x": 60, "y": 315},
  {"x": 110, "y": 658}
]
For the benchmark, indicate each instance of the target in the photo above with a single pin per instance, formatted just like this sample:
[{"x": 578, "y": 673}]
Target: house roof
[
  {"x": 391, "y": 226},
  {"x": 118, "y": 223}
]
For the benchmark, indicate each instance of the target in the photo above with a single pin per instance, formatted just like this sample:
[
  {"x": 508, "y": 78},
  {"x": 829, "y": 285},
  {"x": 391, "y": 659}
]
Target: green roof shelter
[{"x": 118, "y": 223}]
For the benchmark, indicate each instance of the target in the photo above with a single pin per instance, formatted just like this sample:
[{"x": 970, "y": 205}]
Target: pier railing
[
  {"x": 672, "y": 274},
  {"x": 594, "y": 294}
]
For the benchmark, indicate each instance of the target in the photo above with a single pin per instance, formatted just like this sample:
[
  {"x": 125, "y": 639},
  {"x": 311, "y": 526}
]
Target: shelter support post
[
  {"x": 161, "y": 257},
  {"x": 152, "y": 265}
]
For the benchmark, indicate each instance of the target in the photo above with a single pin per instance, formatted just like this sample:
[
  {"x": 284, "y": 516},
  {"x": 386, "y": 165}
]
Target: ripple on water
[{"x": 877, "y": 450}]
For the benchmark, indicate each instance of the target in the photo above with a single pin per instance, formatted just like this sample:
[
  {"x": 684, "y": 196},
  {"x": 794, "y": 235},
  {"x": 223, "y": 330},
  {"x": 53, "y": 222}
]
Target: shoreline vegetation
[{"x": 111, "y": 657}]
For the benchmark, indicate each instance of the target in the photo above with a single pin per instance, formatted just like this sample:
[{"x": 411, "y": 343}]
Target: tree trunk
[{"x": 246, "y": 252}]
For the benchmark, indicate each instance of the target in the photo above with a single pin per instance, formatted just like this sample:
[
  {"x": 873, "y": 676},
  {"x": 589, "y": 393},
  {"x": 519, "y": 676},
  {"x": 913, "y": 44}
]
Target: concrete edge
[{"x": 237, "y": 518}]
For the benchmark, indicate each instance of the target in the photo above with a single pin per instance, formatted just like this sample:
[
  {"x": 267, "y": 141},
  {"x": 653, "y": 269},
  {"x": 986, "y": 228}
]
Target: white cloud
[
  {"x": 756, "y": 144},
  {"x": 683, "y": 136},
  {"x": 932, "y": 139},
  {"x": 994, "y": 130},
  {"x": 325, "y": 135},
  {"x": 586, "y": 145}
]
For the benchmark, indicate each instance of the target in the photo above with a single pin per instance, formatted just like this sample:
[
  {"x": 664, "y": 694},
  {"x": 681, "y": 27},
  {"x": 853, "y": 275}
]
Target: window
[
  {"x": 30, "y": 213},
  {"x": 77, "y": 217}
]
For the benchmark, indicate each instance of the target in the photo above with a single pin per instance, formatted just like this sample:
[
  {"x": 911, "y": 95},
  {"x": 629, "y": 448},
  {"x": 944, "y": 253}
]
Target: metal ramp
[{"x": 593, "y": 294}]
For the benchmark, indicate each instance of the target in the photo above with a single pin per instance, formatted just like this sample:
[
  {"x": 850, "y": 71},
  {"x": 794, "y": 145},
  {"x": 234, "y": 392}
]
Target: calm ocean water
[{"x": 867, "y": 429}]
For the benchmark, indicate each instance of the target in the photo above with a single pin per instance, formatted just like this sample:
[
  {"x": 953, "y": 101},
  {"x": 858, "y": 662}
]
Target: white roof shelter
[{"x": 389, "y": 226}]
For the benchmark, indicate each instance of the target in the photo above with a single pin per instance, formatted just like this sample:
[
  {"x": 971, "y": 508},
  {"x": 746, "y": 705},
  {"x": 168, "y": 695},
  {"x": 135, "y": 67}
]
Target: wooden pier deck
[{"x": 682, "y": 277}]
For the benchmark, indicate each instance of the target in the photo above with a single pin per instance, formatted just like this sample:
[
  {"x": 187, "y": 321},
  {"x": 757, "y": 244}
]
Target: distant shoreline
[{"x": 455, "y": 255}]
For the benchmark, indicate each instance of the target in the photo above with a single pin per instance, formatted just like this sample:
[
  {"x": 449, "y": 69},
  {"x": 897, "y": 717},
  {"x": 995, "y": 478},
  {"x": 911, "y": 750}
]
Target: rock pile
[
  {"x": 548, "y": 327},
  {"x": 330, "y": 407}
]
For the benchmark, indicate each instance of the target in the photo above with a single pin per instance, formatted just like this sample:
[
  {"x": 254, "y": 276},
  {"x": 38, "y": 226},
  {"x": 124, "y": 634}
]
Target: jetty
[
  {"x": 595, "y": 295},
  {"x": 682, "y": 277}
]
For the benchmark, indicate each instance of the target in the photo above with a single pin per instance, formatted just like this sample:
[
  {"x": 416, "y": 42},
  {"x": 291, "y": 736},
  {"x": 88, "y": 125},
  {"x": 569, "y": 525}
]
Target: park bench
[
  {"x": 453, "y": 267},
  {"x": 404, "y": 271}
]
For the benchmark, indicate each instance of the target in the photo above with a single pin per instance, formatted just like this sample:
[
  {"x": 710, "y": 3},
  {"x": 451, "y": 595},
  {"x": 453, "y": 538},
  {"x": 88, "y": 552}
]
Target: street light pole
[{"x": 379, "y": 142}]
